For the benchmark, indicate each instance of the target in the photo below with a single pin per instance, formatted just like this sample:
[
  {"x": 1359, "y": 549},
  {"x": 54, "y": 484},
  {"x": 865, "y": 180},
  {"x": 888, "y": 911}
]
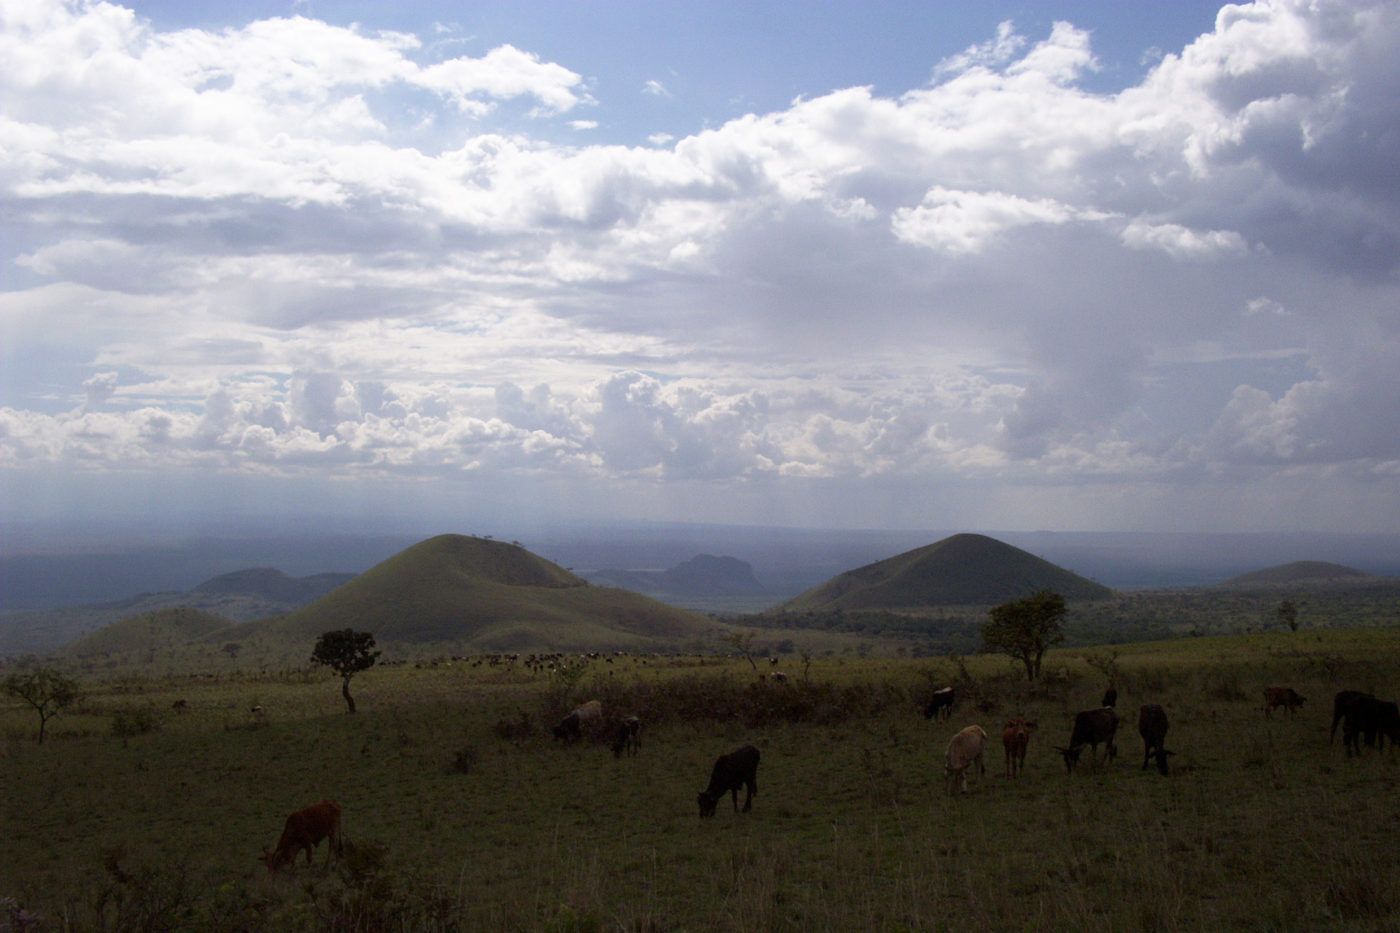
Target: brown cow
[
  {"x": 1282, "y": 696},
  {"x": 305, "y": 829},
  {"x": 1015, "y": 736},
  {"x": 586, "y": 718},
  {"x": 965, "y": 750}
]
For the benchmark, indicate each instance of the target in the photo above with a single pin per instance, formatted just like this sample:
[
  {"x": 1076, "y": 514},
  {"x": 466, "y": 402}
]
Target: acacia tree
[
  {"x": 347, "y": 652},
  {"x": 45, "y": 690},
  {"x": 1025, "y": 628}
]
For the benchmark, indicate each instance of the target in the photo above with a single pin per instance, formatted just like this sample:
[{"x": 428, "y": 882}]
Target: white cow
[{"x": 966, "y": 748}]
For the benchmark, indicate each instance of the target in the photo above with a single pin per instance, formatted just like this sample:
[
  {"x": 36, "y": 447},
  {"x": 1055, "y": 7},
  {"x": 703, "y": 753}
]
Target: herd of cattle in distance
[{"x": 1363, "y": 718}]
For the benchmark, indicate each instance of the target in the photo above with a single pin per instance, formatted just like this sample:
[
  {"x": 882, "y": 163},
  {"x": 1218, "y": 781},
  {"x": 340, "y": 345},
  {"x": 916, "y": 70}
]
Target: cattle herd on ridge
[{"x": 1362, "y": 716}]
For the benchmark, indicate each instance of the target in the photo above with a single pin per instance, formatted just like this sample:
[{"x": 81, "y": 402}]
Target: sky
[{"x": 1079, "y": 266}]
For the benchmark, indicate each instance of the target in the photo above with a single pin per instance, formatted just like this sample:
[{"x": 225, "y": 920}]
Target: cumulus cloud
[{"x": 997, "y": 276}]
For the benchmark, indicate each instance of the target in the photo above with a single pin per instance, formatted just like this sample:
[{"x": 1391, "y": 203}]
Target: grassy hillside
[
  {"x": 462, "y": 813},
  {"x": 962, "y": 570},
  {"x": 483, "y": 595},
  {"x": 162, "y": 629}
]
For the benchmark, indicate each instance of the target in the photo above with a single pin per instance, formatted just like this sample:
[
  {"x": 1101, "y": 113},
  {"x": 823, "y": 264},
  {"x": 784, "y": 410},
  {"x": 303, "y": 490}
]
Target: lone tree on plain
[
  {"x": 1287, "y": 614},
  {"x": 45, "y": 690},
  {"x": 1026, "y": 627},
  {"x": 347, "y": 652}
]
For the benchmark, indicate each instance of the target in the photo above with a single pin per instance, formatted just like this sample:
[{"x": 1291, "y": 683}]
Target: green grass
[{"x": 1261, "y": 826}]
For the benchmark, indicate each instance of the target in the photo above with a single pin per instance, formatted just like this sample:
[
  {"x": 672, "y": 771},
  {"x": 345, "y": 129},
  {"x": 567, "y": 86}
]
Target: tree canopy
[
  {"x": 46, "y": 690},
  {"x": 347, "y": 652},
  {"x": 1025, "y": 628}
]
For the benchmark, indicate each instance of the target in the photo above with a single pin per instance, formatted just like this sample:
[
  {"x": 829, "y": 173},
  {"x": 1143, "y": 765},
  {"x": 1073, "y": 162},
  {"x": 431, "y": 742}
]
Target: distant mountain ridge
[
  {"x": 962, "y": 570},
  {"x": 273, "y": 585},
  {"x": 701, "y": 575},
  {"x": 240, "y": 596},
  {"x": 1301, "y": 573}
]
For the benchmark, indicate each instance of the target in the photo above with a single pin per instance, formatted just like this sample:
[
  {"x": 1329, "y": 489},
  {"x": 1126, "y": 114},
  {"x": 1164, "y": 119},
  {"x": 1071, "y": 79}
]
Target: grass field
[{"x": 463, "y": 813}]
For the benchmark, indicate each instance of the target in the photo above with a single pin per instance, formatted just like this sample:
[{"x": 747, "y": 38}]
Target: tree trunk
[{"x": 345, "y": 692}]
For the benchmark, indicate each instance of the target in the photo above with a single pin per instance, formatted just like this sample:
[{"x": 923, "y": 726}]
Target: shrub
[
  {"x": 521, "y": 727},
  {"x": 134, "y": 721}
]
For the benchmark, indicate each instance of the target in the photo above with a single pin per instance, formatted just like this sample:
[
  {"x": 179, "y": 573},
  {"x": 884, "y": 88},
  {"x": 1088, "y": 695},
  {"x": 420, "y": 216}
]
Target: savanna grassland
[{"x": 463, "y": 813}]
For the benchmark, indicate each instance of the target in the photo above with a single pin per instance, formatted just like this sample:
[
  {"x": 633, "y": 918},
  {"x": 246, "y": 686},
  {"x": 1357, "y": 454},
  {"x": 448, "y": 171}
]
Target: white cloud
[
  {"x": 1182, "y": 242},
  {"x": 234, "y": 251}
]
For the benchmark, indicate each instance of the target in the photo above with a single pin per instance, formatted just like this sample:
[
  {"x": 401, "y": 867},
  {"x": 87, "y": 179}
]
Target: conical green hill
[
  {"x": 484, "y": 595},
  {"x": 963, "y": 570}
]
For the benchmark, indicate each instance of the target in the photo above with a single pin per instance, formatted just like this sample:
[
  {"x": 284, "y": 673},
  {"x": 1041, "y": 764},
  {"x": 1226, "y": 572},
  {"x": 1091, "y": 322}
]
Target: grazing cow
[
  {"x": 627, "y": 737},
  {"x": 963, "y": 751},
  {"x": 940, "y": 704},
  {"x": 1110, "y": 697},
  {"x": 1152, "y": 726},
  {"x": 305, "y": 829},
  {"x": 1015, "y": 736},
  {"x": 1341, "y": 703},
  {"x": 1282, "y": 696},
  {"x": 585, "y": 718},
  {"x": 1370, "y": 718},
  {"x": 1091, "y": 727},
  {"x": 738, "y": 768},
  {"x": 180, "y": 706}
]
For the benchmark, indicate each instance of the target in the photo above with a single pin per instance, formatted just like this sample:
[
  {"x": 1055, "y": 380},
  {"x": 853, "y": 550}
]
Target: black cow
[
  {"x": 568, "y": 729},
  {"x": 1341, "y": 703},
  {"x": 940, "y": 704},
  {"x": 627, "y": 736},
  {"x": 1368, "y": 718},
  {"x": 1152, "y": 726},
  {"x": 739, "y": 767},
  {"x": 1110, "y": 697},
  {"x": 1091, "y": 727}
]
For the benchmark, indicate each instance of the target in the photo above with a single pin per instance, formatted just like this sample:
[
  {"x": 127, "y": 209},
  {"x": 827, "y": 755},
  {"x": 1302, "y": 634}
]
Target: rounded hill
[
  {"x": 1301, "y": 573},
  {"x": 962, "y": 570},
  {"x": 163, "y": 628},
  {"x": 485, "y": 595}
]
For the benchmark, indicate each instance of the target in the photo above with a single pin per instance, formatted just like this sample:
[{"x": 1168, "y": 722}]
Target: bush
[
  {"x": 521, "y": 727},
  {"x": 134, "y": 721}
]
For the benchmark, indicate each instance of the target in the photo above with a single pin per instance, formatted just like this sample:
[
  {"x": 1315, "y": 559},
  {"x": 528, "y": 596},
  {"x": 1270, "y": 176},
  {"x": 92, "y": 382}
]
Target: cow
[
  {"x": 963, "y": 751},
  {"x": 305, "y": 829},
  {"x": 1341, "y": 703},
  {"x": 1015, "y": 736},
  {"x": 585, "y": 718},
  {"x": 1152, "y": 726},
  {"x": 1091, "y": 727},
  {"x": 180, "y": 706},
  {"x": 1286, "y": 697},
  {"x": 1110, "y": 697},
  {"x": 627, "y": 737},
  {"x": 940, "y": 704},
  {"x": 738, "y": 768},
  {"x": 1370, "y": 718}
]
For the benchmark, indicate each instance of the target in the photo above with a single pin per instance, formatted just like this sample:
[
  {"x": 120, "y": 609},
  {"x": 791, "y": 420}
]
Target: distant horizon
[{"x": 62, "y": 574}]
